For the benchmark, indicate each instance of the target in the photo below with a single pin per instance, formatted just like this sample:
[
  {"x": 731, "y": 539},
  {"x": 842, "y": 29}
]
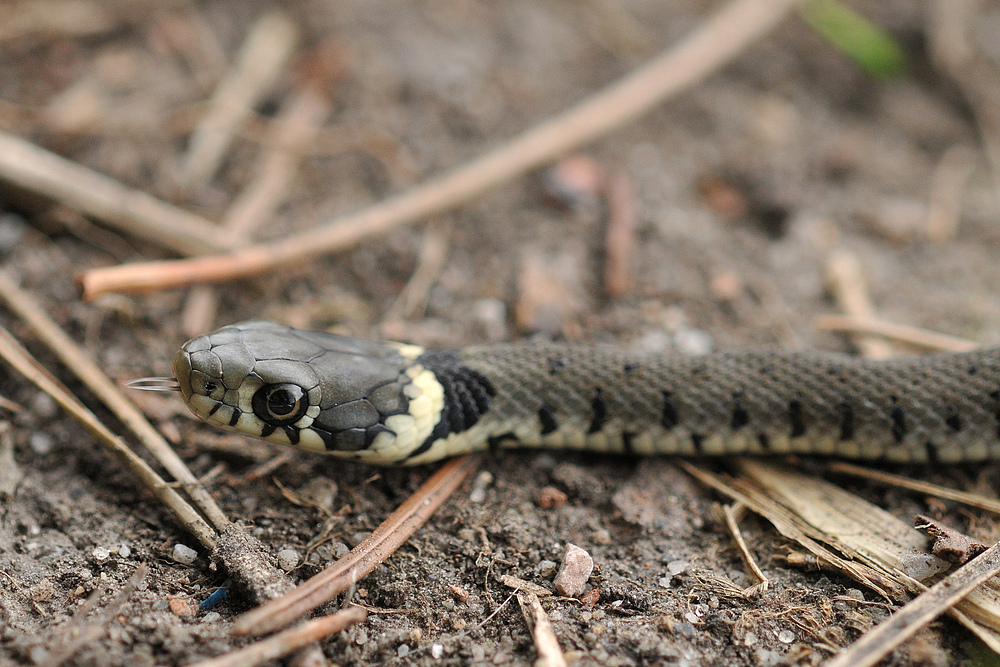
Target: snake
[{"x": 390, "y": 403}]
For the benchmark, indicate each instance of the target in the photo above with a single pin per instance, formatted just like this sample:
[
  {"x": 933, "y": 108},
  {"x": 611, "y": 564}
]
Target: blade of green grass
[{"x": 868, "y": 45}]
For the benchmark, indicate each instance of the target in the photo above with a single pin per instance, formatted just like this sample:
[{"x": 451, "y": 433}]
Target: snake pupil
[{"x": 280, "y": 404}]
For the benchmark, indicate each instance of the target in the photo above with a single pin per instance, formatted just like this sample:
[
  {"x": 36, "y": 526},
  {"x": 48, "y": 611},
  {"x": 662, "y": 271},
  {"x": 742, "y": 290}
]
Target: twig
[
  {"x": 104, "y": 198},
  {"x": 971, "y": 499},
  {"x": 899, "y": 332},
  {"x": 296, "y": 125},
  {"x": 12, "y": 351},
  {"x": 729, "y": 512},
  {"x": 433, "y": 254},
  {"x": 290, "y": 134},
  {"x": 290, "y": 640},
  {"x": 94, "y": 378},
  {"x": 363, "y": 558},
  {"x": 619, "y": 240},
  {"x": 847, "y": 281},
  {"x": 877, "y": 643},
  {"x": 718, "y": 39},
  {"x": 258, "y": 63},
  {"x": 546, "y": 644}
]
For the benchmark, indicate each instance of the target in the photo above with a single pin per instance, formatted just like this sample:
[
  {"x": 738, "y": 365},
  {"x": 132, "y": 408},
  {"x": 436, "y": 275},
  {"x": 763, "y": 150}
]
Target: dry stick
[
  {"x": 971, "y": 499},
  {"x": 720, "y": 38},
  {"x": 878, "y": 642},
  {"x": 293, "y": 130},
  {"x": 297, "y": 124},
  {"x": 258, "y": 64},
  {"x": 846, "y": 278},
  {"x": 363, "y": 558},
  {"x": 284, "y": 643},
  {"x": 94, "y": 378},
  {"x": 729, "y": 512},
  {"x": 93, "y": 194},
  {"x": 12, "y": 351},
  {"x": 546, "y": 644},
  {"x": 899, "y": 332}
]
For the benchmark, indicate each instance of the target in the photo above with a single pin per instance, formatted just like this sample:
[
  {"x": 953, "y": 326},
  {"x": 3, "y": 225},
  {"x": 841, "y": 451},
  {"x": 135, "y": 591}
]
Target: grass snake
[{"x": 396, "y": 404}]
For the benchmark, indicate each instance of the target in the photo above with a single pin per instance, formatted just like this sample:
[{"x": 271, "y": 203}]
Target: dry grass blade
[
  {"x": 902, "y": 333},
  {"x": 94, "y": 378},
  {"x": 717, "y": 40},
  {"x": 971, "y": 499},
  {"x": 795, "y": 529},
  {"x": 12, "y": 351},
  {"x": 381, "y": 544},
  {"x": 905, "y": 623},
  {"x": 729, "y": 513},
  {"x": 104, "y": 198},
  {"x": 285, "y": 643}
]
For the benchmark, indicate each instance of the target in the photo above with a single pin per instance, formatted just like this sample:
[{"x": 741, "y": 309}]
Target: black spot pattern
[
  {"x": 467, "y": 395},
  {"x": 953, "y": 420},
  {"x": 796, "y": 419},
  {"x": 898, "y": 422},
  {"x": 669, "y": 417},
  {"x": 599, "y": 412},
  {"x": 740, "y": 416},
  {"x": 846, "y": 421},
  {"x": 549, "y": 423},
  {"x": 627, "y": 438}
]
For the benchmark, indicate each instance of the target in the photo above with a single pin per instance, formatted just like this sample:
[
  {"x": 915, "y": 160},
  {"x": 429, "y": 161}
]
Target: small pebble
[
  {"x": 478, "y": 652},
  {"x": 212, "y": 617},
  {"x": 184, "y": 555},
  {"x": 124, "y": 551},
  {"x": 602, "y": 536},
  {"x": 361, "y": 638},
  {"x": 12, "y": 228},
  {"x": 590, "y": 598},
  {"x": 44, "y": 406},
  {"x": 479, "y": 486},
  {"x": 288, "y": 559},
  {"x": 549, "y": 497},
  {"x": 340, "y": 549},
  {"x": 547, "y": 568},
  {"x": 183, "y": 607},
  {"x": 786, "y": 636},
  {"x": 403, "y": 650},
  {"x": 40, "y": 443},
  {"x": 676, "y": 567},
  {"x": 100, "y": 553},
  {"x": 693, "y": 342},
  {"x": 437, "y": 651},
  {"x": 571, "y": 581}
]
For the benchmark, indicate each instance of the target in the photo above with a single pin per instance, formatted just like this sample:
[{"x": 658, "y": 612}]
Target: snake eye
[{"x": 280, "y": 404}]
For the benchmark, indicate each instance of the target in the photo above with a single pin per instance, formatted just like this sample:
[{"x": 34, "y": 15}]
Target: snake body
[{"x": 390, "y": 403}]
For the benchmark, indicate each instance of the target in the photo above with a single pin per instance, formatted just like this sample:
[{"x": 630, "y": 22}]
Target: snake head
[{"x": 317, "y": 391}]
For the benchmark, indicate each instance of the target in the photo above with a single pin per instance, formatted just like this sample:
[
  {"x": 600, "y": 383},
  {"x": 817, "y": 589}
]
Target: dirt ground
[{"x": 742, "y": 189}]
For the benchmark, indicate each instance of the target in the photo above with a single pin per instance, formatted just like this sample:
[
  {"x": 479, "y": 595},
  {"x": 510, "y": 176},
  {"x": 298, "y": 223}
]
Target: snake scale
[{"x": 395, "y": 404}]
